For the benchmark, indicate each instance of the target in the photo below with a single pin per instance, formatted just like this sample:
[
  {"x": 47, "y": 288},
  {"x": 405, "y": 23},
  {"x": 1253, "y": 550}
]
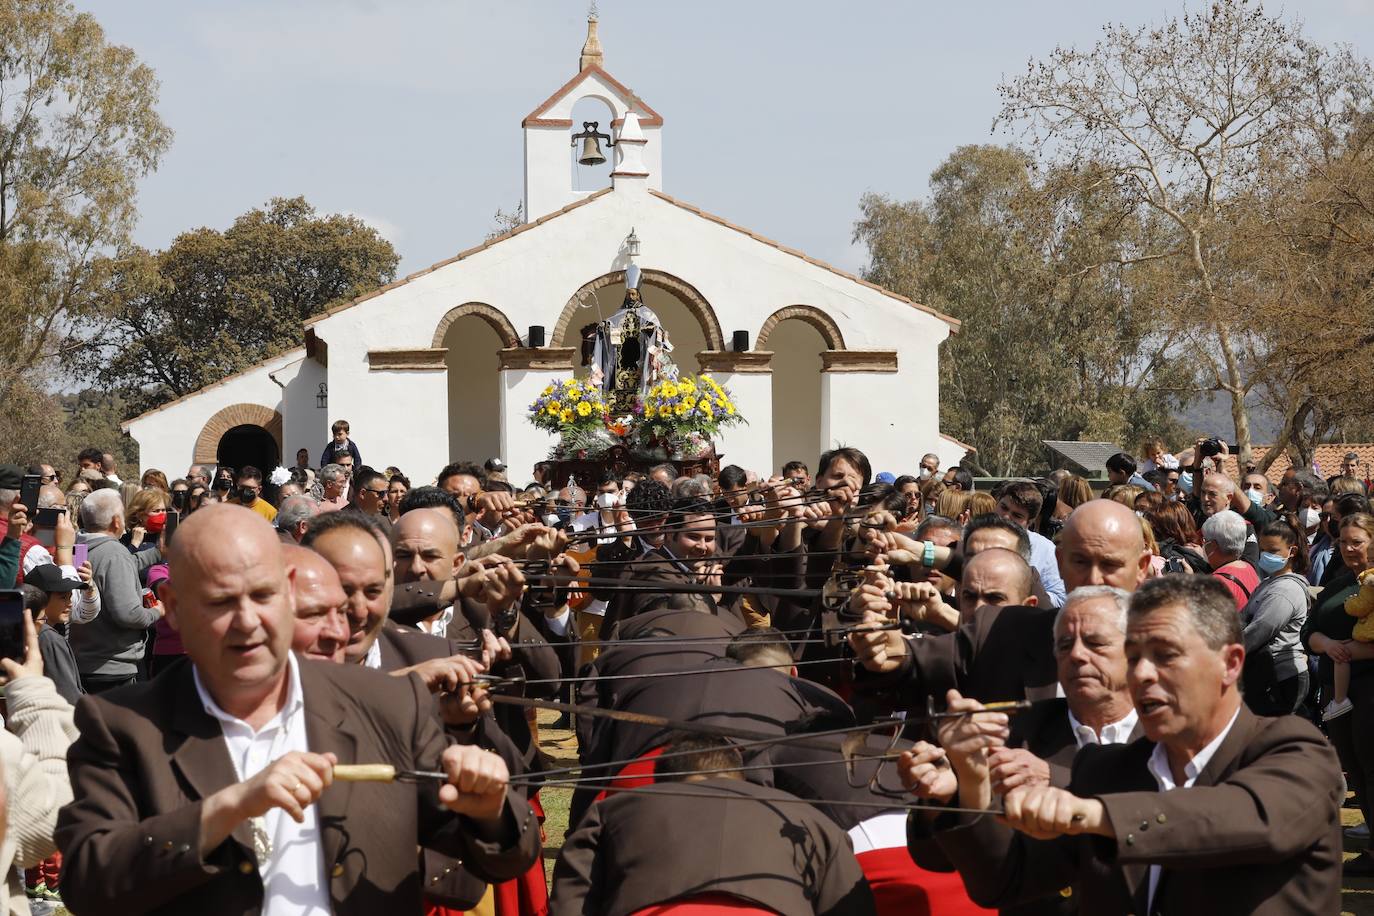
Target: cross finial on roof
[{"x": 591, "y": 49}]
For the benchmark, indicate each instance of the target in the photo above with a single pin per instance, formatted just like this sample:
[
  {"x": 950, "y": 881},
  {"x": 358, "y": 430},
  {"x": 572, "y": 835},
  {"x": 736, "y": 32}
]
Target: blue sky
[{"x": 777, "y": 115}]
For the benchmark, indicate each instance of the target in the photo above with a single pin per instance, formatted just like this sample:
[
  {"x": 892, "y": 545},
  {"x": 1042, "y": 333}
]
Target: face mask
[
  {"x": 925, "y": 473},
  {"x": 1256, "y": 497},
  {"x": 1270, "y": 563},
  {"x": 553, "y": 520},
  {"x": 155, "y": 522},
  {"x": 606, "y": 500},
  {"x": 1185, "y": 481},
  {"x": 247, "y": 496},
  {"x": 565, "y": 514},
  {"x": 1309, "y": 517}
]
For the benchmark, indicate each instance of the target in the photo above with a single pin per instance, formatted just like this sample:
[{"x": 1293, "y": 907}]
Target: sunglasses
[{"x": 377, "y": 493}]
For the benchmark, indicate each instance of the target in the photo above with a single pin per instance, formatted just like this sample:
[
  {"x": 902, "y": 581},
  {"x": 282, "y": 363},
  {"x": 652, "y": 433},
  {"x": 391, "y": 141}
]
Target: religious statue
[{"x": 631, "y": 351}]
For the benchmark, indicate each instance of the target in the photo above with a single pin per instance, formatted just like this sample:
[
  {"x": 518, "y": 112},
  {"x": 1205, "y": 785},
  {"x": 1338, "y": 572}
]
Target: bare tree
[{"x": 1185, "y": 119}]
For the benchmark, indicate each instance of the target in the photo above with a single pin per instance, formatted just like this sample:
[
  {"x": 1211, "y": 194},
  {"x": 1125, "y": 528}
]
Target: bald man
[
  {"x": 211, "y": 788},
  {"x": 995, "y": 577},
  {"x": 1102, "y": 544},
  {"x": 321, "y": 630},
  {"x": 426, "y": 548}
]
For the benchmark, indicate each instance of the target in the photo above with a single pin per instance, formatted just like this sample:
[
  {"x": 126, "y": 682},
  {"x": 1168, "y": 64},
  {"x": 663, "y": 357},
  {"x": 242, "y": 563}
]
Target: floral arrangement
[
  {"x": 569, "y": 406},
  {"x": 691, "y": 407},
  {"x": 677, "y": 416}
]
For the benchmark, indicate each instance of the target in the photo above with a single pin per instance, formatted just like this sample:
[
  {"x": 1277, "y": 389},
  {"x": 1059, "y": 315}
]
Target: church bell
[
  {"x": 591, "y": 152},
  {"x": 591, "y": 144}
]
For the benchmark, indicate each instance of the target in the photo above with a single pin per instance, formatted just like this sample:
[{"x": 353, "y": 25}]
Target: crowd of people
[{"x": 314, "y": 689}]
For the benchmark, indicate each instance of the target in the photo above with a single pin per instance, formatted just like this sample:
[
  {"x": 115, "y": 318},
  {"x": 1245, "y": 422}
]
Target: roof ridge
[
  {"x": 954, "y": 323},
  {"x": 654, "y": 119},
  {"x": 465, "y": 253},
  {"x": 123, "y": 424}
]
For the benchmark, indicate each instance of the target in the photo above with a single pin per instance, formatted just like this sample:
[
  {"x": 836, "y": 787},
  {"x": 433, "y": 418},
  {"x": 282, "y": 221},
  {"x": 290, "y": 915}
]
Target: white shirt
[
  {"x": 1164, "y": 776},
  {"x": 293, "y": 879},
  {"x": 436, "y": 627},
  {"x": 373, "y": 659},
  {"x": 1118, "y": 732}
]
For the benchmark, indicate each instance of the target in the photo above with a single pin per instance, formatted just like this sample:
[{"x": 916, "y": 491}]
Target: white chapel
[{"x": 442, "y": 364}]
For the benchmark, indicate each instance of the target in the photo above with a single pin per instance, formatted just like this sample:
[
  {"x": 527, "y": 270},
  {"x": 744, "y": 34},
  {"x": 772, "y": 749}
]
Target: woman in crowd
[
  {"x": 1124, "y": 493},
  {"x": 1328, "y": 634},
  {"x": 1180, "y": 544},
  {"x": 396, "y": 489},
  {"x": 155, "y": 478},
  {"x": 1276, "y": 676},
  {"x": 144, "y": 518},
  {"x": 952, "y": 504},
  {"x": 1073, "y": 492}
]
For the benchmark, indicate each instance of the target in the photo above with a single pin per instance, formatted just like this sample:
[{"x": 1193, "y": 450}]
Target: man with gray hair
[
  {"x": 110, "y": 649},
  {"x": 1224, "y": 536},
  {"x": 333, "y": 488},
  {"x": 1215, "y": 810},
  {"x": 293, "y": 517}
]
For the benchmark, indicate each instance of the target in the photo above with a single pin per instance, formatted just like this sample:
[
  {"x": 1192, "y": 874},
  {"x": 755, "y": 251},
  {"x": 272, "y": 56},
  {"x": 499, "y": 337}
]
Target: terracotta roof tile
[
  {"x": 627, "y": 95},
  {"x": 298, "y": 351},
  {"x": 952, "y": 322},
  {"x": 316, "y": 319},
  {"x": 1326, "y": 460}
]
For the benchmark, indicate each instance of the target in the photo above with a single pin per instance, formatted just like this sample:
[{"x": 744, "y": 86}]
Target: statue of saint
[{"x": 631, "y": 353}]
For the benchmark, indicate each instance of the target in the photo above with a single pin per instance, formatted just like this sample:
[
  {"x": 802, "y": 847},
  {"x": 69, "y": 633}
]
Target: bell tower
[{"x": 550, "y": 147}]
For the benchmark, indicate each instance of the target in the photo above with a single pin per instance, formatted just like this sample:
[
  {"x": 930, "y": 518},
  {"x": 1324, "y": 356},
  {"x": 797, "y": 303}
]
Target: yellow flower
[
  {"x": 689, "y": 402},
  {"x": 687, "y": 385},
  {"x": 730, "y": 409},
  {"x": 650, "y": 411},
  {"x": 555, "y": 408},
  {"x": 680, "y": 410},
  {"x": 548, "y": 391},
  {"x": 706, "y": 409},
  {"x": 669, "y": 390},
  {"x": 566, "y": 416},
  {"x": 584, "y": 409},
  {"x": 720, "y": 402}
]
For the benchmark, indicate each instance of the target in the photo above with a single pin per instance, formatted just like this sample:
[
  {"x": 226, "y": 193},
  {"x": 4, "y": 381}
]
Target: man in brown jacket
[
  {"x": 211, "y": 789},
  {"x": 706, "y": 836},
  {"x": 1214, "y": 811}
]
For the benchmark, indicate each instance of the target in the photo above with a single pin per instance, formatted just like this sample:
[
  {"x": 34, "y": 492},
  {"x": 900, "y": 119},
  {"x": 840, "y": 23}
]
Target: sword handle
[{"x": 365, "y": 772}]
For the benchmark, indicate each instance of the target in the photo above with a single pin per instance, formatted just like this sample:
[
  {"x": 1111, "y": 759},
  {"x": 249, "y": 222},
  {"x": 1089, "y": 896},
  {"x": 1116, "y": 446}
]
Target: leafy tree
[
  {"x": 1054, "y": 344},
  {"x": 78, "y": 128},
  {"x": 215, "y": 303},
  {"x": 1189, "y": 122}
]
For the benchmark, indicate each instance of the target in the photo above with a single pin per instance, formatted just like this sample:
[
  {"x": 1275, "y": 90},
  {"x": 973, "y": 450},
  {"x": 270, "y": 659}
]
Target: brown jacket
[
  {"x": 149, "y": 754},
  {"x": 639, "y": 848},
  {"x": 1259, "y": 832}
]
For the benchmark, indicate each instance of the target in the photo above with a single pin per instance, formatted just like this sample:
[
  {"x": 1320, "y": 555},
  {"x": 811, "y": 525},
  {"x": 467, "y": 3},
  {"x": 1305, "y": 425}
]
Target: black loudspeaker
[
  {"x": 740, "y": 343},
  {"x": 536, "y": 338}
]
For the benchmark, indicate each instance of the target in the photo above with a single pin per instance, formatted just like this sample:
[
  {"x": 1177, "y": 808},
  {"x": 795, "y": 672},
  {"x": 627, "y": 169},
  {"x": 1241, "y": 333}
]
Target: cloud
[{"x": 385, "y": 227}]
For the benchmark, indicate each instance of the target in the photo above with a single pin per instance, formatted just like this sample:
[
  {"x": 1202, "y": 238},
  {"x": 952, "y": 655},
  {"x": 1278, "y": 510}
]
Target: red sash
[
  {"x": 705, "y": 905},
  {"x": 636, "y": 773},
  {"x": 900, "y": 886}
]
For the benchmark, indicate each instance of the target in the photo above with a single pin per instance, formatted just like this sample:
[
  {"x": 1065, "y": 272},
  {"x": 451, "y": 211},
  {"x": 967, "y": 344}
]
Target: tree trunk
[{"x": 1235, "y": 387}]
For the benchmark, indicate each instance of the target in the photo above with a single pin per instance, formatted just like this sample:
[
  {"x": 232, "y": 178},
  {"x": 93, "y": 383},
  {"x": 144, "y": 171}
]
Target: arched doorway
[
  {"x": 248, "y": 444},
  {"x": 241, "y": 434},
  {"x": 474, "y": 387},
  {"x": 797, "y": 347}
]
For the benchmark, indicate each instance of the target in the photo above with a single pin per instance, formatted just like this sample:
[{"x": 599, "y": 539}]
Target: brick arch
[
  {"x": 488, "y": 313},
  {"x": 685, "y": 292},
  {"x": 813, "y": 316},
  {"x": 207, "y": 443}
]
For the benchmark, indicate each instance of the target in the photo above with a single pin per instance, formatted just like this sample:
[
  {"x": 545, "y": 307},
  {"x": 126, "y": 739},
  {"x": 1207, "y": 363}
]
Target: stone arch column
[
  {"x": 813, "y": 316},
  {"x": 685, "y": 292},
  {"x": 207, "y": 443},
  {"x": 493, "y": 316}
]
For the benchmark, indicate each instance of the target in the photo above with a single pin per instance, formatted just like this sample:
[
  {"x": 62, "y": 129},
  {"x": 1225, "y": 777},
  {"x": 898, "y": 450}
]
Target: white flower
[{"x": 280, "y": 476}]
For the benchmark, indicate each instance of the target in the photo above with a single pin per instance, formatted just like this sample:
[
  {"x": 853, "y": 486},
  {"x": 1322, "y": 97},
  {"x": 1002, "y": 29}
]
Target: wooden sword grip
[{"x": 365, "y": 772}]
